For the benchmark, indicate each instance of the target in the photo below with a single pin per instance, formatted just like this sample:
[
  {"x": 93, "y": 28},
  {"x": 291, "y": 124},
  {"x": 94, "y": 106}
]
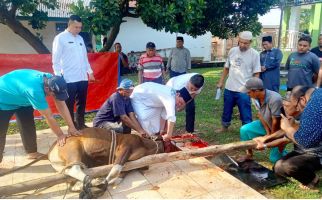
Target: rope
[{"x": 112, "y": 147}]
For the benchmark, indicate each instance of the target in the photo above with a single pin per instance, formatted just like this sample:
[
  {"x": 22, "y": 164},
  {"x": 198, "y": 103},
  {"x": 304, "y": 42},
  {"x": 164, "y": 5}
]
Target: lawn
[{"x": 208, "y": 118}]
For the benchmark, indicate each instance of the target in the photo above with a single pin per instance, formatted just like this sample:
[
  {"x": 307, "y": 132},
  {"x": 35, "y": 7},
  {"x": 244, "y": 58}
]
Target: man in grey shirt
[
  {"x": 303, "y": 65},
  {"x": 268, "y": 104},
  {"x": 179, "y": 61}
]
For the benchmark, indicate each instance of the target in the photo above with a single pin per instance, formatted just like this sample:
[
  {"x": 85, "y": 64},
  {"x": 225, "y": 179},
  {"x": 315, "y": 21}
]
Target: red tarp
[{"x": 104, "y": 66}]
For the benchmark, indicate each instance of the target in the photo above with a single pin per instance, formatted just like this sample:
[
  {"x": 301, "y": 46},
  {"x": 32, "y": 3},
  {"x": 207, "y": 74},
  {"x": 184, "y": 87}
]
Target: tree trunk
[
  {"x": 111, "y": 37},
  {"x": 145, "y": 161},
  {"x": 23, "y": 32}
]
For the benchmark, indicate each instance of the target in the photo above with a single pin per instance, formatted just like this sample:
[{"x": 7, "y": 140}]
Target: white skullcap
[{"x": 246, "y": 35}]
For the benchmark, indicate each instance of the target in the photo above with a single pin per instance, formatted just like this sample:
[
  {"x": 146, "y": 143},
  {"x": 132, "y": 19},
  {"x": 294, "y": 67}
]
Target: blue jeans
[
  {"x": 173, "y": 73},
  {"x": 244, "y": 106},
  {"x": 256, "y": 129}
]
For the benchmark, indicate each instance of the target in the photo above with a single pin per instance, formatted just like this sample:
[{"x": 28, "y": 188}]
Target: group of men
[
  {"x": 150, "y": 107},
  {"x": 254, "y": 78}
]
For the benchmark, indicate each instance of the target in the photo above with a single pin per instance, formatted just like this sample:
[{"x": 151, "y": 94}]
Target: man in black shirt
[
  {"x": 117, "y": 112},
  {"x": 318, "y": 50}
]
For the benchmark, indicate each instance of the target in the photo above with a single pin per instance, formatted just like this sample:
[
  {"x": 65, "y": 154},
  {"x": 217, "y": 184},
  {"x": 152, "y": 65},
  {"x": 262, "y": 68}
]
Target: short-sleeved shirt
[
  {"x": 309, "y": 134},
  {"x": 317, "y": 52},
  {"x": 155, "y": 95},
  {"x": 151, "y": 66},
  {"x": 271, "y": 107},
  {"x": 242, "y": 66},
  {"x": 181, "y": 81},
  {"x": 301, "y": 67},
  {"x": 21, "y": 88},
  {"x": 112, "y": 109}
]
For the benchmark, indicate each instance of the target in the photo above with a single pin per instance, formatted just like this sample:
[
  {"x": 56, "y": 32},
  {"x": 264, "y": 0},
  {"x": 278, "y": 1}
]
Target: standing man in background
[
  {"x": 69, "y": 57},
  {"x": 123, "y": 60},
  {"x": 243, "y": 63},
  {"x": 151, "y": 67},
  {"x": 318, "y": 50},
  {"x": 270, "y": 60},
  {"x": 179, "y": 61}
]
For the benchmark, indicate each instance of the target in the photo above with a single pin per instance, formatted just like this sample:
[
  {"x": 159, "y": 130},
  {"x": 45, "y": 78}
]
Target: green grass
[{"x": 208, "y": 118}]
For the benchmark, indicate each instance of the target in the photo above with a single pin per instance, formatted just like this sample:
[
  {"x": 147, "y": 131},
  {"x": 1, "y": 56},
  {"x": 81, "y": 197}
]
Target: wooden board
[{"x": 195, "y": 178}]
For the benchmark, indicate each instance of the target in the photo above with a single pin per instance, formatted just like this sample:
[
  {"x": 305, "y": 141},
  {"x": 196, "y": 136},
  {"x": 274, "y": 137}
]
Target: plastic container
[{"x": 218, "y": 94}]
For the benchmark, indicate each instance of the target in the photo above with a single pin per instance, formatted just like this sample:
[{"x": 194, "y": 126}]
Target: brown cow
[{"x": 96, "y": 147}]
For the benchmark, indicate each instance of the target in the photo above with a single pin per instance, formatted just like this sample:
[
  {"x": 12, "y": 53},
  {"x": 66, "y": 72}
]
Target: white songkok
[{"x": 246, "y": 35}]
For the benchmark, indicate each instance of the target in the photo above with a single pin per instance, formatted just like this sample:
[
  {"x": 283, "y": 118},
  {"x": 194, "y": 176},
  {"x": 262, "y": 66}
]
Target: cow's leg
[{"x": 122, "y": 155}]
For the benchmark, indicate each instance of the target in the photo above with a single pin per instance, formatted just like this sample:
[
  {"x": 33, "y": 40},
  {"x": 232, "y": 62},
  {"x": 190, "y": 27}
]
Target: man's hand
[
  {"x": 73, "y": 132},
  {"x": 260, "y": 142},
  {"x": 263, "y": 68},
  {"x": 91, "y": 77},
  {"x": 220, "y": 85},
  {"x": 166, "y": 137},
  {"x": 61, "y": 140}
]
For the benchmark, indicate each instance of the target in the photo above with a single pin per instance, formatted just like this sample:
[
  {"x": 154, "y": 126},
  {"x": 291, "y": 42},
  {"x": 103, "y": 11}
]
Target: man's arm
[
  {"x": 64, "y": 112},
  {"x": 170, "y": 128},
  {"x": 169, "y": 60},
  {"x": 140, "y": 76},
  {"x": 319, "y": 81},
  {"x": 61, "y": 137},
  {"x": 264, "y": 123},
  {"x": 124, "y": 60},
  {"x": 276, "y": 122},
  {"x": 188, "y": 60},
  {"x": 132, "y": 122},
  {"x": 56, "y": 56},
  {"x": 223, "y": 77}
]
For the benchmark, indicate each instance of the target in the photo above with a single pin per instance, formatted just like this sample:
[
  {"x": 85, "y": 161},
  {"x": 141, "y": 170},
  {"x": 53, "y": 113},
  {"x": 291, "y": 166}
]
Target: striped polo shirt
[{"x": 151, "y": 66}]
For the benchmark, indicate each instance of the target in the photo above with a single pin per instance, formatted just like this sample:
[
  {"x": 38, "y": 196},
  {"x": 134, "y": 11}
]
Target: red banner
[{"x": 104, "y": 66}]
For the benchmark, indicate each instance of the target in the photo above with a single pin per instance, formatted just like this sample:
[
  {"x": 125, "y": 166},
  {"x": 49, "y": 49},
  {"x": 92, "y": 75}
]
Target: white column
[{"x": 293, "y": 27}]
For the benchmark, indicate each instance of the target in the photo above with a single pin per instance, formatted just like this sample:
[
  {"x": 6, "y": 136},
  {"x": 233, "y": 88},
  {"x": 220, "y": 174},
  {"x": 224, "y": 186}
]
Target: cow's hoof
[
  {"x": 98, "y": 181},
  {"x": 76, "y": 187},
  {"x": 86, "y": 193}
]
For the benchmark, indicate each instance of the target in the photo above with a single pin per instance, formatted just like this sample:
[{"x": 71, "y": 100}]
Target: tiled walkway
[{"x": 196, "y": 178}]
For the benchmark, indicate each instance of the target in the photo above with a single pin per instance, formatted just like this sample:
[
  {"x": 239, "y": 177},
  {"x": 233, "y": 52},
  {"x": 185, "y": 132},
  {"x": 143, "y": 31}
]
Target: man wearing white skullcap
[{"x": 242, "y": 63}]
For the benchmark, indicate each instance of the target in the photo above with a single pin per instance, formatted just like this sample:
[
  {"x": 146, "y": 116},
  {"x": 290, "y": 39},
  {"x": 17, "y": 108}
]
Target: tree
[
  {"x": 223, "y": 18},
  {"x": 37, "y": 18}
]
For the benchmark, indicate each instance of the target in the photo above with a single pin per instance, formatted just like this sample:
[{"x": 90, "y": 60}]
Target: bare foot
[{"x": 35, "y": 155}]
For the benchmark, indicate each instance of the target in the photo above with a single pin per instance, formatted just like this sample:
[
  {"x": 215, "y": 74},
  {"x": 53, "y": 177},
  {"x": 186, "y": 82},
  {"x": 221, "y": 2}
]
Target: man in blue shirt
[
  {"x": 270, "y": 60},
  {"x": 22, "y": 91},
  {"x": 117, "y": 112},
  {"x": 306, "y": 158}
]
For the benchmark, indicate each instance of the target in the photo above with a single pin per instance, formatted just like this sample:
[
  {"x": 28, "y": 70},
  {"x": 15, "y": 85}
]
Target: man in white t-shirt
[
  {"x": 243, "y": 62},
  {"x": 193, "y": 82},
  {"x": 154, "y": 103}
]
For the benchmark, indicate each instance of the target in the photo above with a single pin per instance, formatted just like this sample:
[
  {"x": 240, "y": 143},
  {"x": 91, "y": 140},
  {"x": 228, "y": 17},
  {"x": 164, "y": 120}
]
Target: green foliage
[
  {"x": 99, "y": 16},
  {"x": 30, "y": 8},
  {"x": 222, "y": 18}
]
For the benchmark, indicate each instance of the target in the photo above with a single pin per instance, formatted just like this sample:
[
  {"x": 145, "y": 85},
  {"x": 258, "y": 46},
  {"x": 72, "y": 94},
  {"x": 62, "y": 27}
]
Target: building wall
[
  {"x": 13, "y": 44},
  {"x": 134, "y": 35}
]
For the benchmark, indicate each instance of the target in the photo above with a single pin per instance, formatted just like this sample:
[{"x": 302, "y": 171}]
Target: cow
[{"x": 97, "y": 147}]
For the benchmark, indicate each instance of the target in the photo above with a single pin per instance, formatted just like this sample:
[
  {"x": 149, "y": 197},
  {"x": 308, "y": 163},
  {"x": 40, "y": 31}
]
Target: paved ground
[{"x": 195, "y": 178}]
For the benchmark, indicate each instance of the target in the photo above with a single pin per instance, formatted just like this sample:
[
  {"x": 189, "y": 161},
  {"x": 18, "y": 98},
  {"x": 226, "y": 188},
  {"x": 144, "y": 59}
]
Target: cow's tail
[{"x": 45, "y": 156}]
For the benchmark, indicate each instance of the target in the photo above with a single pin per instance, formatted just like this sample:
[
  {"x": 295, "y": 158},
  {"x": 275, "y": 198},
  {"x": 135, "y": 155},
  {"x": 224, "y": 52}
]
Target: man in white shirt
[
  {"x": 69, "y": 57},
  {"x": 243, "y": 62},
  {"x": 193, "y": 82},
  {"x": 154, "y": 103}
]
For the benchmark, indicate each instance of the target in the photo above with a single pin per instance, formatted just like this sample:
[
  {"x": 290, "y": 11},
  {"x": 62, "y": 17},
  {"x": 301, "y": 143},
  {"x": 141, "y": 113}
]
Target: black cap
[
  {"x": 267, "y": 39},
  {"x": 58, "y": 86},
  {"x": 185, "y": 94},
  {"x": 180, "y": 38},
  {"x": 150, "y": 45}
]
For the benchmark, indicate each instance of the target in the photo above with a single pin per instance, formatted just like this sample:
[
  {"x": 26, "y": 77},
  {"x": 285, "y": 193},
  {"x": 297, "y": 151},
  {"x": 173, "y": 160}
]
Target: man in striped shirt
[{"x": 151, "y": 67}]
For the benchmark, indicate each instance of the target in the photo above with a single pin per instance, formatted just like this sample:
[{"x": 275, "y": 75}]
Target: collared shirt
[
  {"x": 112, "y": 109},
  {"x": 242, "y": 66},
  {"x": 271, "y": 107},
  {"x": 271, "y": 59},
  {"x": 181, "y": 81},
  {"x": 151, "y": 66},
  {"x": 69, "y": 57},
  {"x": 21, "y": 88},
  {"x": 179, "y": 60}
]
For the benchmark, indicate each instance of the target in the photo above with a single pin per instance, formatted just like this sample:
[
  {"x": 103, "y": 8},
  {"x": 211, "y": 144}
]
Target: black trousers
[
  {"x": 301, "y": 167},
  {"x": 26, "y": 125},
  {"x": 190, "y": 116},
  {"x": 77, "y": 93}
]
